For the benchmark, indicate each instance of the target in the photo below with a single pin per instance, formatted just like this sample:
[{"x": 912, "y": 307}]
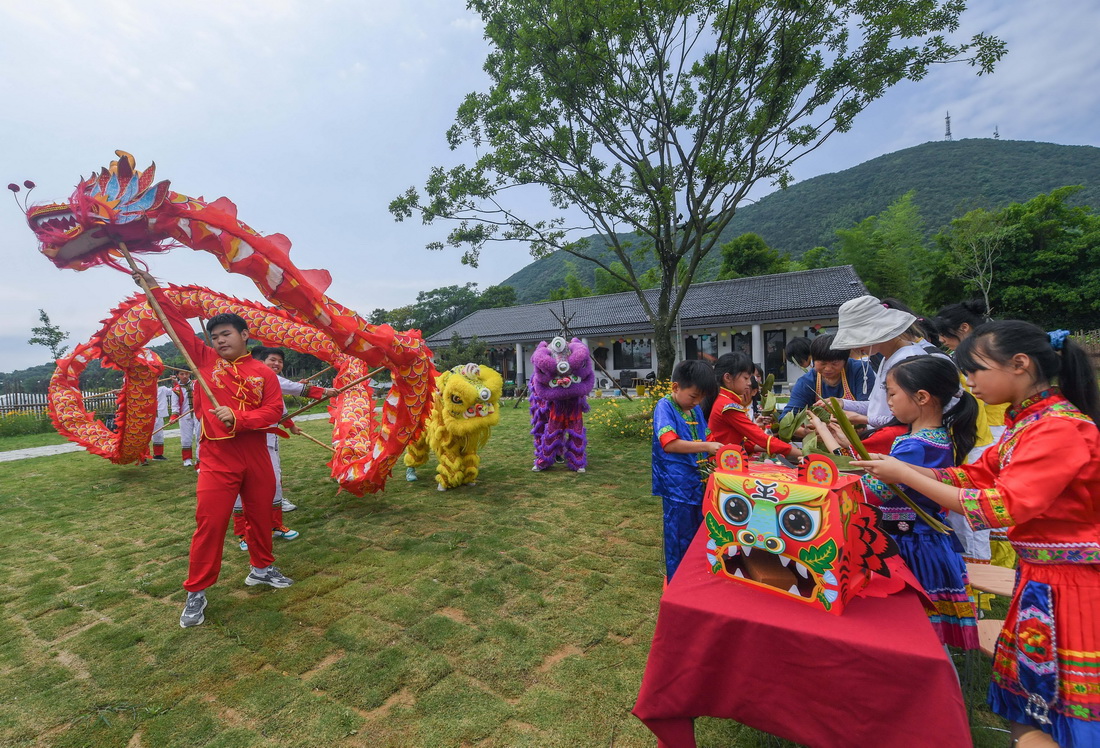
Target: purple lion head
[{"x": 562, "y": 370}]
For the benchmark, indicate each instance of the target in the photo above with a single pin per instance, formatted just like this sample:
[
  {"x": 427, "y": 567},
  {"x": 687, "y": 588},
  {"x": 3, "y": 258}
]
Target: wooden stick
[
  {"x": 346, "y": 387},
  {"x": 309, "y": 378},
  {"x": 155, "y": 305},
  {"x": 162, "y": 428},
  {"x": 175, "y": 368},
  {"x": 317, "y": 441}
]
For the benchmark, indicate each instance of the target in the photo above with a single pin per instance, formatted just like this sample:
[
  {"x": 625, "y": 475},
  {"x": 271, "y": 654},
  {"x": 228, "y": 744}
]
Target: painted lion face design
[
  {"x": 804, "y": 534},
  {"x": 469, "y": 398},
  {"x": 562, "y": 370}
]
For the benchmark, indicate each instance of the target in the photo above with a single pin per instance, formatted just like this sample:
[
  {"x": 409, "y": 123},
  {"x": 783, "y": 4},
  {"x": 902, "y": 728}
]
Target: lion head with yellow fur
[{"x": 466, "y": 407}]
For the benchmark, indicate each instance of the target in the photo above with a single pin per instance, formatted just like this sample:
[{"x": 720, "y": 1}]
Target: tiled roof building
[{"x": 755, "y": 314}]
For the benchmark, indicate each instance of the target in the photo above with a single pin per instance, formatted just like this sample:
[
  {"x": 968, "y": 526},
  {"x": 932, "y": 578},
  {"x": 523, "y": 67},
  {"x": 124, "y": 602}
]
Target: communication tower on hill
[
  {"x": 947, "y": 133},
  {"x": 996, "y": 133}
]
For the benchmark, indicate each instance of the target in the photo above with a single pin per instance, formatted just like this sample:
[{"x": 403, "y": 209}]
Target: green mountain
[{"x": 949, "y": 177}]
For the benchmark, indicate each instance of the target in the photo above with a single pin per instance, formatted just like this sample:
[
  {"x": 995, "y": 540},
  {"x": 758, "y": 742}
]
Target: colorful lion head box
[{"x": 802, "y": 533}]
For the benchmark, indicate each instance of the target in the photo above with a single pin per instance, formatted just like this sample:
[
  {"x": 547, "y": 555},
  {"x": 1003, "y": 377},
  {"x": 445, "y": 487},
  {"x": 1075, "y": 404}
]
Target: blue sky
[{"x": 312, "y": 116}]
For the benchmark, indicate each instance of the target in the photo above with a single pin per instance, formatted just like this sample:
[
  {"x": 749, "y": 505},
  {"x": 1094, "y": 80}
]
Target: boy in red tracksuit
[{"x": 234, "y": 450}]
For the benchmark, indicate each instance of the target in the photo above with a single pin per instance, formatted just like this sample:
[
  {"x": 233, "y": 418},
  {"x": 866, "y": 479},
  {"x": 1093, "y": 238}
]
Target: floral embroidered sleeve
[
  {"x": 906, "y": 450},
  {"x": 1037, "y": 472}
]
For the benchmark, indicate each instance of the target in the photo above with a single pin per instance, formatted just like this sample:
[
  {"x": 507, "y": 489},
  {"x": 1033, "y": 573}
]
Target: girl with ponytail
[
  {"x": 1042, "y": 482},
  {"x": 923, "y": 393}
]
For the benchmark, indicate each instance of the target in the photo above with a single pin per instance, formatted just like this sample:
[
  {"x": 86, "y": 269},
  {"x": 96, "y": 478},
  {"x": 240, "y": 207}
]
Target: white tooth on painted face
[
  {"x": 794, "y": 590},
  {"x": 784, "y": 560},
  {"x": 747, "y": 549},
  {"x": 802, "y": 570},
  {"x": 737, "y": 573},
  {"x": 732, "y": 551}
]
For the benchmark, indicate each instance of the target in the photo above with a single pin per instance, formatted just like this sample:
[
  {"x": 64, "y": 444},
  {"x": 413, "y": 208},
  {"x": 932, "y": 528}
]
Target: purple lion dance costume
[{"x": 559, "y": 398}]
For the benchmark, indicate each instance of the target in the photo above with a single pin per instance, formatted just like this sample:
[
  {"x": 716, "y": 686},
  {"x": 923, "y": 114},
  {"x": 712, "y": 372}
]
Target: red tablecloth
[{"x": 874, "y": 676}]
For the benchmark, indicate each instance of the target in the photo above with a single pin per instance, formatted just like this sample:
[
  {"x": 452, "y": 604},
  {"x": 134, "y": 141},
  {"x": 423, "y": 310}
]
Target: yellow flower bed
[{"x": 624, "y": 419}]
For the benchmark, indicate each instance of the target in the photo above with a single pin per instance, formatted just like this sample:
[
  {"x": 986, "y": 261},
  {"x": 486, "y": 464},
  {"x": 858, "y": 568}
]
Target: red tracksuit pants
[{"x": 230, "y": 467}]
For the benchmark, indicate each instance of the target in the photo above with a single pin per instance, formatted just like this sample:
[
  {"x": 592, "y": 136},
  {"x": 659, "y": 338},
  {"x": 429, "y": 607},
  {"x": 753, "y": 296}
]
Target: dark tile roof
[{"x": 784, "y": 297}]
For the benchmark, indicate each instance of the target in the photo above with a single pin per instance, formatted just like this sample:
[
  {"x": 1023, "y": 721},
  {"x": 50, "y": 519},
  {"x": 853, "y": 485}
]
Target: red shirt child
[{"x": 730, "y": 424}]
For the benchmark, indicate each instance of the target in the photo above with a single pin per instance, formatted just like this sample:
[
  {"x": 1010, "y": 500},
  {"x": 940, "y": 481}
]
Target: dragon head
[
  {"x": 562, "y": 370},
  {"x": 791, "y": 531},
  {"x": 106, "y": 208},
  {"x": 469, "y": 398}
]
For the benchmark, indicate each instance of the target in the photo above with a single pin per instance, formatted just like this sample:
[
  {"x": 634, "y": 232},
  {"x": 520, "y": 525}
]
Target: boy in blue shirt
[
  {"x": 834, "y": 374},
  {"x": 680, "y": 445}
]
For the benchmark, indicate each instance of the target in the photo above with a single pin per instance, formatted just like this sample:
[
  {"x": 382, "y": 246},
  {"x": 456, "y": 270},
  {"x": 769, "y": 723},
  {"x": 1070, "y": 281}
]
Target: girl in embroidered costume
[
  {"x": 1042, "y": 482},
  {"x": 917, "y": 390},
  {"x": 729, "y": 419}
]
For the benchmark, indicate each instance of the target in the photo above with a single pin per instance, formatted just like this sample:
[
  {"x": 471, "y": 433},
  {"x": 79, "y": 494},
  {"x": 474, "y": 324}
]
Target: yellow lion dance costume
[{"x": 466, "y": 406}]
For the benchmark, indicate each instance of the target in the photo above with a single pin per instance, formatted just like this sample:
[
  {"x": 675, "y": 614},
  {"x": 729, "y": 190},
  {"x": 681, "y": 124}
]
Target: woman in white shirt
[{"x": 865, "y": 322}]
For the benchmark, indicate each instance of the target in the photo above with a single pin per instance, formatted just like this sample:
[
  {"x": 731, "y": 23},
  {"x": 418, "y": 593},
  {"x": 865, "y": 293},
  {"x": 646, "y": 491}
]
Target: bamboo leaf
[{"x": 857, "y": 444}]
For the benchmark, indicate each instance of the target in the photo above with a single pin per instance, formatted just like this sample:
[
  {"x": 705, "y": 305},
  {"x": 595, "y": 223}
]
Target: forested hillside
[{"x": 949, "y": 178}]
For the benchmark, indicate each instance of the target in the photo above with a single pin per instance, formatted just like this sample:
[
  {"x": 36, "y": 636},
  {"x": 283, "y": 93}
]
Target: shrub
[
  {"x": 619, "y": 419},
  {"x": 22, "y": 422}
]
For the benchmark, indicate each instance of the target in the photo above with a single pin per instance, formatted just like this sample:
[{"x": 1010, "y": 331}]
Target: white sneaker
[
  {"x": 187, "y": 463},
  {"x": 288, "y": 507}
]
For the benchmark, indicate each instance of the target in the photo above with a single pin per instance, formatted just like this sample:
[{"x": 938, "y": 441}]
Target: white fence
[{"x": 29, "y": 402}]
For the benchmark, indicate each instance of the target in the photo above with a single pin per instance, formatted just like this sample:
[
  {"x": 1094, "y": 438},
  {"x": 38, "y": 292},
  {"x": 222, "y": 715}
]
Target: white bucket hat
[{"x": 865, "y": 321}]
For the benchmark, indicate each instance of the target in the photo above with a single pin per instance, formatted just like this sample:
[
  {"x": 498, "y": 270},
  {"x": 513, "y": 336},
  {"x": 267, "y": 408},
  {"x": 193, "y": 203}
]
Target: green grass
[
  {"x": 517, "y": 612},
  {"x": 27, "y": 441}
]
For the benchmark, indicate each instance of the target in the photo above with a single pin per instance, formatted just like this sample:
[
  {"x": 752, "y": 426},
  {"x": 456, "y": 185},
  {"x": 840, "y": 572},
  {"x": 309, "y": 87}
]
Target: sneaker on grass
[
  {"x": 284, "y": 532},
  {"x": 192, "y": 611},
  {"x": 244, "y": 544},
  {"x": 270, "y": 575},
  {"x": 288, "y": 507}
]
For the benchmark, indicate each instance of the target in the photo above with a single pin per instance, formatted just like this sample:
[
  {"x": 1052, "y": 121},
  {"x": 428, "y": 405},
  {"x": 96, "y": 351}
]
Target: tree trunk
[{"x": 666, "y": 352}]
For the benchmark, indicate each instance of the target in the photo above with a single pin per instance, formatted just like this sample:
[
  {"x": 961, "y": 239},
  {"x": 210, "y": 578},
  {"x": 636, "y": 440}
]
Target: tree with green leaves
[
  {"x": 657, "y": 117},
  {"x": 1048, "y": 268},
  {"x": 457, "y": 353},
  {"x": 573, "y": 288},
  {"x": 749, "y": 255},
  {"x": 974, "y": 243},
  {"x": 888, "y": 252},
  {"x": 495, "y": 297},
  {"x": 49, "y": 335}
]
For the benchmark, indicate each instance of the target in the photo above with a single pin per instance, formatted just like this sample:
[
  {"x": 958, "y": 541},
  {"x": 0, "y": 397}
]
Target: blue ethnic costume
[
  {"x": 934, "y": 558},
  {"x": 677, "y": 478}
]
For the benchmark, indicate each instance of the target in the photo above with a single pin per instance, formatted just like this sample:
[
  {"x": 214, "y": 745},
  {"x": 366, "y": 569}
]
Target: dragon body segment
[
  {"x": 562, "y": 378},
  {"x": 465, "y": 408},
  {"x": 119, "y": 344},
  {"x": 120, "y": 204}
]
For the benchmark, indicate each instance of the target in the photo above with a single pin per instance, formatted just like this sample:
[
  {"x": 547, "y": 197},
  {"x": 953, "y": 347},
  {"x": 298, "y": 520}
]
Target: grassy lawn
[
  {"x": 31, "y": 440},
  {"x": 517, "y": 612}
]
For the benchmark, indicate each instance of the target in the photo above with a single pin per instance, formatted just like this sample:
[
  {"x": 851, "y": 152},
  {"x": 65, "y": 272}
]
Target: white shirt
[
  {"x": 163, "y": 396},
  {"x": 875, "y": 407}
]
